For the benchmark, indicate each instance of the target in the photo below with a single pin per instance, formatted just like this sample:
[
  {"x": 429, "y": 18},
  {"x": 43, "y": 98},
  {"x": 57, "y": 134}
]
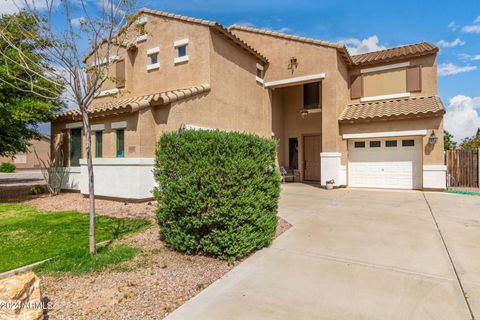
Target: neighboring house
[
  {"x": 370, "y": 120},
  {"x": 29, "y": 160}
]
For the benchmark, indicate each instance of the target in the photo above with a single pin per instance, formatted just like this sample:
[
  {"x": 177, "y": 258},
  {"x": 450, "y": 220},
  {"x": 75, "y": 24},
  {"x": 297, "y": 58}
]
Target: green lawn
[{"x": 29, "y": 235}]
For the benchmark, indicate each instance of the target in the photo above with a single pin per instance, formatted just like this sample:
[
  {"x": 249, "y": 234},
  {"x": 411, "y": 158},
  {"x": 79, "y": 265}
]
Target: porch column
[{"x": 331, "y": 168}]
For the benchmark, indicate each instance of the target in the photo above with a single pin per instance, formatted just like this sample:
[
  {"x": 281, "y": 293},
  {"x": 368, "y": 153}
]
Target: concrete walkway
[{"x": 357, "y": 254}]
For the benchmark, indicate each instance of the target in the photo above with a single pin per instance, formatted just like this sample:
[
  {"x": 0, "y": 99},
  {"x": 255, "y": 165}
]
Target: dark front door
[{"x": 312, "y": 146}]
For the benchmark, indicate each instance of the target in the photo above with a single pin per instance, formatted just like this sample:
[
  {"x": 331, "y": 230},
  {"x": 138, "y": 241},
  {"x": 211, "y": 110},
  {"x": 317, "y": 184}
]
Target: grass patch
[
  {"x": 77, "y": 262},
  {"x": 28, "y": 235}
]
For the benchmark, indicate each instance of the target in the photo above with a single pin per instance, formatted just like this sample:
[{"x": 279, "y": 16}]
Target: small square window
[
  {"x": 182, "y": 51},
  {"x": 408, "y": 143},
  {"x": 260, "y": 73},
  {"x": 390, "y": 143},
  {"x": 154, "y": 58},
  {"x": 359, "y": 144},
  {"x": 374, "y": 144}
]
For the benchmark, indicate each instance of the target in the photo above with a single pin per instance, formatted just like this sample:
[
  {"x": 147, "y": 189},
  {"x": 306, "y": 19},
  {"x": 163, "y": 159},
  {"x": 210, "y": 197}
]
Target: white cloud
[
  {"x": 474, "y": 28},
  {"x": 8, "y": 6},
  {"x": 77, "y": 21},
  {"x": 447, "y": 69},
  {"x": 452, "y": 26},
  {"x": 357, "y": 46},
  {"x": 476, "y": 57},
  {"x": 13, "y": 6},
  {"x": 450, "y": 44},
  {"x": 462, "y": 118}
]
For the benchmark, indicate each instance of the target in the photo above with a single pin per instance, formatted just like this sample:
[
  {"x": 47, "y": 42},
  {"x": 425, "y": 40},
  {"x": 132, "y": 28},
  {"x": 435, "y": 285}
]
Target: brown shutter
[
  {"x": 356, "y": 86},
  {"x": 414, "y": 79},
  {"x": 120, "y": 73}
]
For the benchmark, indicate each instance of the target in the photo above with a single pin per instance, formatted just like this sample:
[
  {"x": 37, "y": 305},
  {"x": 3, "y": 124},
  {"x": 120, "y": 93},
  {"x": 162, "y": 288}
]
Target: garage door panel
[{"x": 385, "y": 167}]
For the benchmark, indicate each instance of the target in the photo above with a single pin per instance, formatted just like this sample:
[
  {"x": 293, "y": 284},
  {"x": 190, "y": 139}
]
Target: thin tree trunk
[{"x": 91, "y": 191}]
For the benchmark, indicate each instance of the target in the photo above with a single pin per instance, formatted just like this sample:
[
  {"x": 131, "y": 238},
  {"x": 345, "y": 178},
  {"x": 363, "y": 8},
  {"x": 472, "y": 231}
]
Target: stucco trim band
[
  {"x": 295, "y": 80},
  {"x": 385, "y": 134}
]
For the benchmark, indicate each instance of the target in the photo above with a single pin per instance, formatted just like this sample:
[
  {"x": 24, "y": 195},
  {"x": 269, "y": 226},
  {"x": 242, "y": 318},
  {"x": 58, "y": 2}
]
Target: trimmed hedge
[
  {"x": 7, "y": 167},
  {"x": 218, "y": 192}
]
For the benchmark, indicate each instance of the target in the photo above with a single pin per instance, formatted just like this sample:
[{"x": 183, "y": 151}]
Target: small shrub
[
  {"x": 218, "y": 192},
  {"x": 37, "y": 189},
  {"x": 7, "y": 167}
]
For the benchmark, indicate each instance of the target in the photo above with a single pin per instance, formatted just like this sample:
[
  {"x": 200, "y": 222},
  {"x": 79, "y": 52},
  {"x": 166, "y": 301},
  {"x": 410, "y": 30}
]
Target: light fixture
[
  {"x": 304, "y": 113},
  {"x": 433, "y": 138}
]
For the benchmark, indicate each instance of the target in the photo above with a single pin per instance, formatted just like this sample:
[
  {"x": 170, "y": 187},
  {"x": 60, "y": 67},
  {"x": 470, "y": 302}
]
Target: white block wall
[
  {"x": 434, "y": 177},
  {"x": 129, "y": 178}
]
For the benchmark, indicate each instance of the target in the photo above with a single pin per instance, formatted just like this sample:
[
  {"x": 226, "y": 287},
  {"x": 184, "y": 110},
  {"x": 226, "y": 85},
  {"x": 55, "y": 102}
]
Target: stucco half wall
[{"x": 125, "y": 178}]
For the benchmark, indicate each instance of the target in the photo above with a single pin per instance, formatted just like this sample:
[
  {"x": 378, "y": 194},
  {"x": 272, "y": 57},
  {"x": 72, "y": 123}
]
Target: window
[
  {"x": 98, "y": 144},
  {"x": 359, "y": 144},
  {"x": 293, "y": 153},
  {"x": 374, "y": 144},
  {"x": 390, "y": 143},
  {"x": 182, "y": 51},
  {"x": 311, "y": 95},
  {"x": 259, "y": 75},
  {"x": 120, "y": 143},
  {"x": 153, "y": 57},
  {"x": 75, "y": 147},
  {"x": 408, "y": 143},
  {"x": 181, "y": 47}
]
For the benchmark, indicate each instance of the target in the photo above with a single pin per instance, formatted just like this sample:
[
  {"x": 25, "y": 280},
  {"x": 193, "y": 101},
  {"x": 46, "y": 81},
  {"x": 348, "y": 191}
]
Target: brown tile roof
[
  {"x": 393, "y": 109},
  {"x": 212, "y": 24},
  {"x": 412, "y": 50},
  {"x": 340, "y": 47},
  {"x": 97, "y": 108}
]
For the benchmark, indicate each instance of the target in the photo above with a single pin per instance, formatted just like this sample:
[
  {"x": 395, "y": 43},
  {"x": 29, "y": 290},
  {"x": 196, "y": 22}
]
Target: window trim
[
  {"x": 180, "y": 43},
  {"x": 374, "y": 147},
  {"x": 180, "y": 59},
  {"x": 261, "y": 69},
  {"x": 70, "y": 147},
  {"x": 386, "y": 96}
]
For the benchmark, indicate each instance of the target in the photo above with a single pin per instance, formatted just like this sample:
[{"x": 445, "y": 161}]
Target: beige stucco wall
[
  {"x": 235, "y": 102},
  {"x": 431, "y": 156},
  {"x": 29, "y": 160},
  {"x": 312, "y": 59},
  {"x": 288, "y": 122},
  {"x": 428, "y": 76}
]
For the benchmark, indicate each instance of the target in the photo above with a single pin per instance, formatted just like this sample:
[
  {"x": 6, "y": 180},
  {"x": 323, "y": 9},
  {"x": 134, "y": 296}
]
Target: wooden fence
[{"x": 463, "y": 168}]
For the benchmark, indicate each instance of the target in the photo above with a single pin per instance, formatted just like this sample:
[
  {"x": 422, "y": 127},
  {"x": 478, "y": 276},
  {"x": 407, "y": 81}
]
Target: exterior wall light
[
  {"x": 433, "y": 138},
  {"x": 304, "y": 114}
]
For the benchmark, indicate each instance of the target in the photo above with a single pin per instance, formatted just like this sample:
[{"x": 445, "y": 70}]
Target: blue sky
[{"x": 369, "y": 25}]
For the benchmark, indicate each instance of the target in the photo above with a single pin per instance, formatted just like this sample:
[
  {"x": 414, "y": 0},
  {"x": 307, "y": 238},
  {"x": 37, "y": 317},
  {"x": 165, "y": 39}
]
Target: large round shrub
[{"x": 218, "y": 192}]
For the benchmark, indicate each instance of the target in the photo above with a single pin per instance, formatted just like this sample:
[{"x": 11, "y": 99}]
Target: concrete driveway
[{"x": 357, "y": 254}]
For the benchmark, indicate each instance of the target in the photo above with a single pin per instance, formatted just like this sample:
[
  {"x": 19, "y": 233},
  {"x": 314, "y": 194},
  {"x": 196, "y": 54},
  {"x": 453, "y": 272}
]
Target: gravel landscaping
[{"x": 150, "y": 286}]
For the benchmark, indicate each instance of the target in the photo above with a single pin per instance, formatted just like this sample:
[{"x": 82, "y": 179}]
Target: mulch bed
[{"x": 150, "y": 286}]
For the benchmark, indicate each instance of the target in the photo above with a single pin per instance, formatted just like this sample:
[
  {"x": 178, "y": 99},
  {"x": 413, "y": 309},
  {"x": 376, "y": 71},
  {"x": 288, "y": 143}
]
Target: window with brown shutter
[
  {"x": 120, "y": 73},
  {"x": 414, "y": 79},
  {"x": 356, "y": 86}
]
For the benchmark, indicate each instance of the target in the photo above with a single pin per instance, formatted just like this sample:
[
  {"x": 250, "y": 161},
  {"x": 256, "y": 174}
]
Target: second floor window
[
  {"x": 154, "y": 58},
  {"x": 311, "y": 95},
  {"x": 182, "y": 51}
]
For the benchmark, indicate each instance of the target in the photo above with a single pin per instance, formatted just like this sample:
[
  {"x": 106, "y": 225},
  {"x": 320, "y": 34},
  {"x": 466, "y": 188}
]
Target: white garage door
[{"x": 385, "y": 163}]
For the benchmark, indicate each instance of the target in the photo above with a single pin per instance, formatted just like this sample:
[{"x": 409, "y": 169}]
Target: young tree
[
  {"x": 448, "y": 143},
  {"x": 64, "y": 26},
  {"x": 21, "y": 110},
  {"x": 472, "y": 142}
]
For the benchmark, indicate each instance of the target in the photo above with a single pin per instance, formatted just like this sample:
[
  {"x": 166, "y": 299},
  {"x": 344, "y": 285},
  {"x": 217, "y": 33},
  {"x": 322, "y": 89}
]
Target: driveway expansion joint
[
  {"x": 366, "y": 264},
  {"x": 465, "y": 295}
]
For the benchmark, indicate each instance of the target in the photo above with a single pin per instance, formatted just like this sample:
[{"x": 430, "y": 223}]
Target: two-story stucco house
[{"x": 369, "y": 120}]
